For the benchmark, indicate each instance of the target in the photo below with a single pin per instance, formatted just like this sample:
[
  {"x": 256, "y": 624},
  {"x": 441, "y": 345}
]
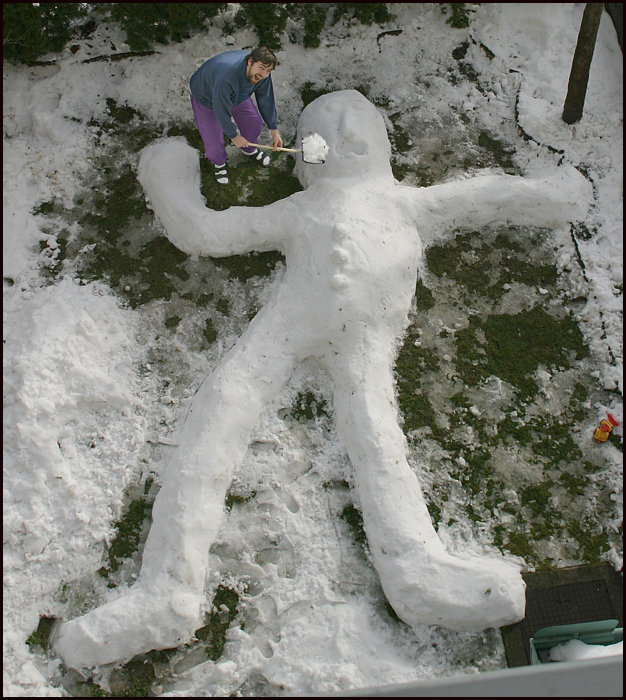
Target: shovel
[{"x": 314, "y": 160}]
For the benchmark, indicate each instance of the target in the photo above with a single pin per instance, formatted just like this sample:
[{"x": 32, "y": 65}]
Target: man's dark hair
[{"x": 264, "y": 55}]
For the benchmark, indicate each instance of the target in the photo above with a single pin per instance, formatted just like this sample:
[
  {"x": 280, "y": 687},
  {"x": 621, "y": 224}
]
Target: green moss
[
  {"x": 444, "y": 259},
  {"x": 574, "y": 483},
  {"x": 517, "y": 269},
  {"x": 225, "y": 609},
  {"x": 223, "y": 306},
  {"x": 313, "y": 15},
  {"x": 400, "y": 138},
  {"x": 141, "y": 276},
  {"x": 121, "y": 114},
  {"x": 537, "y": 497},
  {"x": 133, "y": 680},
  {"x": 411, "y": 364},
  {"x": 477, "y": 475},
  {"x": 518, "y": 344},
  {"x": 460, "y": 400},
  {"x": 172, "y": 321},
  {"x": 45, "y": 208},
  {"x": 592, "y": 544},
  {"x": 435, "y": 512},
  {"x": 39, "y": 638},
  {"x": 423, "y": 296},
  {"x": 250, "y": 184},
  {"x": 577, "y": 406},
  {"x": 340, "y": 484},
  {"x": 471, "y": 261},
  {"x": 308, "y": 406},
  {"x": 520, "y": 545},
  {"x": 457, "y": 262},
  {"x": 128, "y": 532},
  {"x": 190, "y": 132},
  {"x": 309, "y": 92},
  {"x": 459, "y": 14},
  {"x": 401, "y": 170},
  {"x": 554, "y": 441},
  {"x": 268, "y": 19},
  {"x": 244, "y": 267},
  {"x": 501, "y": 153},
  {"x": 148, "y": 276},
  {"x": 364, "y": 12},
  {"x": 413, "y": 360},
  {"x": 470, "y": 361},
  {"x": 238, "y": 498},
  {"x": 148, "y": 23},
  {"x": 354, "y": 519},
  {"x": 209, "y": 331},
  {"x": 91, "y": 689},
  {"x": 417, "y": 410}
]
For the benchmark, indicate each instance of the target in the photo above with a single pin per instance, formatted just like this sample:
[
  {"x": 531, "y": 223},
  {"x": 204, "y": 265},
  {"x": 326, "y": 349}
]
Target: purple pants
[{"x": 247, "y": 118}]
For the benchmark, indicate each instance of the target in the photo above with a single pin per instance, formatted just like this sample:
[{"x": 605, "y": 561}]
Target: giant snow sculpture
[{"x": 352, "y": 241}]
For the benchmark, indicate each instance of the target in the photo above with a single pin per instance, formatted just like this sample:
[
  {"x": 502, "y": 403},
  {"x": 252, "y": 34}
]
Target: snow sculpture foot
[
  {"x": 158, "y": 616},
  {"x": 465, "y": 595}
]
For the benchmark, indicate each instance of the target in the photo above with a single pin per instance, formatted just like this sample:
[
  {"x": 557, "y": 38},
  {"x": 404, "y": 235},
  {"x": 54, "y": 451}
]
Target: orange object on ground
[{"x": 606, "y": 426}]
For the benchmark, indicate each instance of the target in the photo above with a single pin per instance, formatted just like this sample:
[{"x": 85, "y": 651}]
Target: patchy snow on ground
[{"x": 86, "y": 419}]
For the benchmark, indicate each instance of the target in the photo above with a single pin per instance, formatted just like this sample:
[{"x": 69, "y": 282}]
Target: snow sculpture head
[{"x": 356, "y": 136}]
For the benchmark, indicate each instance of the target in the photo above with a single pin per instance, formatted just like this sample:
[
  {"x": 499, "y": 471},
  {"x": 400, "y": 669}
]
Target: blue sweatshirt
[{"x": 221, "y": 84}]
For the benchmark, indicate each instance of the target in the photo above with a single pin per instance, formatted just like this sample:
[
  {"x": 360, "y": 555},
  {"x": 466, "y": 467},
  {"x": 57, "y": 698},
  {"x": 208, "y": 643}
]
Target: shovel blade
[{"x": 312, "y": 161}]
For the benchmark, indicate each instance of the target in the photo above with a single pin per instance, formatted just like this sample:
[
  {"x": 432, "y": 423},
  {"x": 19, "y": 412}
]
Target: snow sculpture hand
[{"x": 352, "y": 250}]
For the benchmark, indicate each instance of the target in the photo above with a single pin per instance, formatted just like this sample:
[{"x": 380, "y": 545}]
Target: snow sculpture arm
[
  {"x": 169, "y": 172},
  {"x": 488, "y": 199}
]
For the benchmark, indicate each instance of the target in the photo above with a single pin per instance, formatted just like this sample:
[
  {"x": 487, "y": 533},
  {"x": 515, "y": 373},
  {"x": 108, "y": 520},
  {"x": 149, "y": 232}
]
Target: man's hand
[
  {"x": 239, "y": 141},
  {"x": 277, "y": 142}
]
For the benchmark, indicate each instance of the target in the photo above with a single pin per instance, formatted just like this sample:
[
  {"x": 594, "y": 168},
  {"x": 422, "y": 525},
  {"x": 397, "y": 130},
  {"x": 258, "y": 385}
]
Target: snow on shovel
[{"x": 314, "y": 149}]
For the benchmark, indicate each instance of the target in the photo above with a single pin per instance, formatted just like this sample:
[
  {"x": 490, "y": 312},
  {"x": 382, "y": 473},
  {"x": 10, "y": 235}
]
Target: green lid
[{"x": 598, "y": 631}]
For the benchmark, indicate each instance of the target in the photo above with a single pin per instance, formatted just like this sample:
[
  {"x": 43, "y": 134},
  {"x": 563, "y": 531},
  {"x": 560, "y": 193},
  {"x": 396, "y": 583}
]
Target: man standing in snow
[{"x": 221, "y": 99}]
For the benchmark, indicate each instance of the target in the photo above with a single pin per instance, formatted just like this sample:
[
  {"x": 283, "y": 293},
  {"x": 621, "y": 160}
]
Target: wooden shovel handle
[{"x": 271, "y": 148}]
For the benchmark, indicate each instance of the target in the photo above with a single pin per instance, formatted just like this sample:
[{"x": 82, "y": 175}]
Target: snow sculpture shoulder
[{"x": 352, "y": 250}]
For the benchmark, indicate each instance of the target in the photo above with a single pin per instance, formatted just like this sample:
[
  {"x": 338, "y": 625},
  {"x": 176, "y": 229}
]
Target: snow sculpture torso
[
  {"x": 353, "y": 278},
  {"x": 352, "y": 251}
]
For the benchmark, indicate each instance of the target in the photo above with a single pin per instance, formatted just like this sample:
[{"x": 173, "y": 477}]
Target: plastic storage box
[{"x": 597, "y": 632}]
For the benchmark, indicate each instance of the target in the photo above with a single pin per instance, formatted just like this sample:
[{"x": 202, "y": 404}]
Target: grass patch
[
  {"x": 250, "y": 184},
  {"x": 507, "y": 437}
]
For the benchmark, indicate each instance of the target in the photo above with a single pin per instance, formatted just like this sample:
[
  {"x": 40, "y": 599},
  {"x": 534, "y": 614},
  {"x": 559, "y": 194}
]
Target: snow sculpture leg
[
  {"x": 423, "y": 583},
  {"x": 164, "y": 607}
]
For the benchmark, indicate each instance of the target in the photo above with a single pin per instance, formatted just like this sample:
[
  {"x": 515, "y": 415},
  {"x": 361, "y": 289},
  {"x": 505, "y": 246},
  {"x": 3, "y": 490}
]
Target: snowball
[
  {"x": 314, "y": 149},
  {"x": 575, "y": 649}
]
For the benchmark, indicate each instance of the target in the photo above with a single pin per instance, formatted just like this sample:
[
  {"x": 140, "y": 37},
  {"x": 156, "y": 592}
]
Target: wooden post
[{"x": 579, "y": 74}]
